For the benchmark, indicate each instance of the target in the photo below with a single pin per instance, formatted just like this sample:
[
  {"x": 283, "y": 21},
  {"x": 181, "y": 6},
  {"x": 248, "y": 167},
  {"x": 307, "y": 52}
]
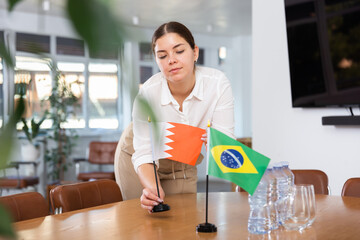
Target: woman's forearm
[{"x": 147, "y": 178}]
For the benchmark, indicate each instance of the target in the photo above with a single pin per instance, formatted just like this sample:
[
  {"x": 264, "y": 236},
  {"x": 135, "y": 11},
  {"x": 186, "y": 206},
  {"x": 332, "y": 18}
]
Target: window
[
  {"x": 106, "y": 52},
  {"x": 147, "y": 65},
  {"x": 103, "y": 96},
  {"x": 96, "y": 85},
  {"x": 69, "y": 46},
  {"x": 32, "y": 43},
  {"x": 145, "y": 52},
  {"x": 35, "y": 75},
  {"x": 145, "y": 73},
  {"x": 201, "y": 58},
  {"x": 72, "y": 75}
]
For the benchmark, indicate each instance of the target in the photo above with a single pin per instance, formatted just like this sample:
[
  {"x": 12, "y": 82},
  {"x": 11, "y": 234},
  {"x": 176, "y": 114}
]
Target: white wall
[
  {"x": 293, "y": 134},
  {"x": 241, "y": 84},
  {"x": 34, "y": 23}
]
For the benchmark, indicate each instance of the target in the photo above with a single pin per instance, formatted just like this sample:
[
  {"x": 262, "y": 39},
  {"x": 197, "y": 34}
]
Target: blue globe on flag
[{"x": 231, "y": 158}]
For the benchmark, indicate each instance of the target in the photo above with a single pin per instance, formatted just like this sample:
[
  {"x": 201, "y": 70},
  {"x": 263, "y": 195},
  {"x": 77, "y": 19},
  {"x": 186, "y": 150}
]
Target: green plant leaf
[
  {"x": 5, "y": 54},
  {"x": 94, "y": 22},
  {"x": 60, "y": 101},
  {"x": 7, "y": 142},
  {"x": 7, "y": 135},
  {"x": 147, "y": 110},
  {"x": 26, "y": 130},
  {"x": 12, "y": 3},
  {"x": 35, "y": 127},
  {"x": 6, "y": 228}
]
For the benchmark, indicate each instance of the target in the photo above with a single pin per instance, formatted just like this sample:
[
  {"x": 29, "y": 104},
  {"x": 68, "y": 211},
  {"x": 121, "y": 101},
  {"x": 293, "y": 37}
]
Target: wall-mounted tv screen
[{"x": 324, "y": 52}]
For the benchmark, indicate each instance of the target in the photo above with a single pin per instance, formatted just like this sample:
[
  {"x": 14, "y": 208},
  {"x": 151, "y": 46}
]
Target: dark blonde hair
[{"x": 173, "y": 27}]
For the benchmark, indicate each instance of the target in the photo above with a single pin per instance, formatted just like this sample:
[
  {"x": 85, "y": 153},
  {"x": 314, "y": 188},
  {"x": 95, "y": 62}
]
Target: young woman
[{"x": 184, "y": 93}]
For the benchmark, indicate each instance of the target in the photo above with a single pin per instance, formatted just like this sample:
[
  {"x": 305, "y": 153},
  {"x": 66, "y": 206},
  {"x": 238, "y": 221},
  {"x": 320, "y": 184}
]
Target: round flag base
[
  {"x": 162, "y": 207},
  {"x": 206, "y": 227}
]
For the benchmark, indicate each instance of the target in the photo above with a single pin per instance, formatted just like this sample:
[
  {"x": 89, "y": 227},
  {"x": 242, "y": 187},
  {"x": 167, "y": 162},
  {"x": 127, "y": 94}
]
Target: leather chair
[
  {"x": 24, "y": 206},
  {"x": 19, "y": 181},
  {"x": 100, "y": 153},
  {"x": 351, "y": 188},
  {"x": 76, "y": 196},
  {"x": 311, "y": 176}
]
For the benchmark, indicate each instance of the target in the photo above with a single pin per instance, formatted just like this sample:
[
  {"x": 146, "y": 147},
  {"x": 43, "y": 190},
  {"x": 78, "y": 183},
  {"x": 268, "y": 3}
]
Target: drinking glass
[
  {"x": 312, "y": 206},
  {"x": 297, "y": 205}
]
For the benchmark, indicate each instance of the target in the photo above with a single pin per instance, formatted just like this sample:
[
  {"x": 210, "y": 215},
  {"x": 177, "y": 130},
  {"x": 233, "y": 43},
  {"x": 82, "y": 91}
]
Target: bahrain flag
[{"x": 183, "y": 142}]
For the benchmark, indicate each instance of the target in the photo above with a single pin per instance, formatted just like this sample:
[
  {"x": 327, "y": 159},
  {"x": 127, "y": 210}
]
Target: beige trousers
[{"x": 174, "y": 177}]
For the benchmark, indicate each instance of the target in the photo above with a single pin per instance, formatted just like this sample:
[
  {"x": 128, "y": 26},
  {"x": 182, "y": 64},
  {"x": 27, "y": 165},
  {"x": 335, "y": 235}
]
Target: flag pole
[
  {"x": 161, "y": 207},
  {"x": 207, "y": 227}
]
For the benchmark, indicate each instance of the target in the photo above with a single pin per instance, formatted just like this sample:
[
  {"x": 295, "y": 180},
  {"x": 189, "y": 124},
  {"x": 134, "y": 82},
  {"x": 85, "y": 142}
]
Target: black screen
[{"x": 324, "y": 52}]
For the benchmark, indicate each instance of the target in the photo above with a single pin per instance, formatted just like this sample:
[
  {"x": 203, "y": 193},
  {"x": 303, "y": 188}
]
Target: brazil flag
[{"x": 233, "y": 161}]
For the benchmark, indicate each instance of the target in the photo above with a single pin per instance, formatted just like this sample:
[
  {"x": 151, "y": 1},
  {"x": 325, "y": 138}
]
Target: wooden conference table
[{"x": 337, "y": 218}]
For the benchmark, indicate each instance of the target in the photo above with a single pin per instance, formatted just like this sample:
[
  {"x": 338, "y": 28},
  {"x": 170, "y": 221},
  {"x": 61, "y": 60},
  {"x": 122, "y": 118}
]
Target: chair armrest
[
  {"x": 77, "y": 160},
  {"x": 18, "y": 163},
  {"x": 12, "y": 165}
]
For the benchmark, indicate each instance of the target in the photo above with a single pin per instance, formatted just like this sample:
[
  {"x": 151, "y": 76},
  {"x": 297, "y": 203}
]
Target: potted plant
[
  {"x": 30, "y": 150},
  {"x": 62, "y": 103}
]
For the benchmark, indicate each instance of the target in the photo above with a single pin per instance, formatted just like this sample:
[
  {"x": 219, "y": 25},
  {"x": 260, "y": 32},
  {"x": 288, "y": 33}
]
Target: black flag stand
[
  {"x": 161, "y": 207},
  {"x": 206, "y": 227}
]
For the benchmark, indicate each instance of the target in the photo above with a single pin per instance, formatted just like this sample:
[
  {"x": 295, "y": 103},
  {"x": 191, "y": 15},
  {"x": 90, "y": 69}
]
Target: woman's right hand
[{"x": 149, "y": 198}]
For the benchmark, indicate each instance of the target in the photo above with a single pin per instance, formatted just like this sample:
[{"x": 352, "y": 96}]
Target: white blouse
[{"x": 211, "y": 99}]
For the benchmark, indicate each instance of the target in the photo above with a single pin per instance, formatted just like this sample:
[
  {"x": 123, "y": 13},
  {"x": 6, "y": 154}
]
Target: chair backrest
[
  {"x": 102, "y": 152},
  {"x": 84, "y": 195},
  {"x": 247, "y": 141},
  {"x": 24, "y": 206},
  {"x": 316, "y": 177},
  {"x": 351, "y": 188}
]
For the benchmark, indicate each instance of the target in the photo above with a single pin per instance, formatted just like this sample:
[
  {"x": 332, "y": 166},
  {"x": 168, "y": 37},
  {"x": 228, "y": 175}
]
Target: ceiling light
[
  {"x": 46, "y": 5},
  {"x": 135, "y": 20},
  {"x": 209, "y": 28},
  {"x": 222, "y": 52}
]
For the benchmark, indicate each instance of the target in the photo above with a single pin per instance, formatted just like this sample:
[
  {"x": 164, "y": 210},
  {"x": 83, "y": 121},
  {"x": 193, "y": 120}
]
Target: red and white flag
[{"x": 179, "y": 142}]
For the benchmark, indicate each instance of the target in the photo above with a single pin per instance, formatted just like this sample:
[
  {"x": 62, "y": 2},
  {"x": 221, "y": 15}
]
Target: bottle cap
[
  {"x": 285, "y": 163},
  {"x": 277, "y": 165}
]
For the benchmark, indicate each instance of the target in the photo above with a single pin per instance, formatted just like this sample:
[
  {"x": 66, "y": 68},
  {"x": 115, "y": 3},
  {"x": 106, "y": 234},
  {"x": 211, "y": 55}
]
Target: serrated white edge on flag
[{"x": 161, "y": 147}]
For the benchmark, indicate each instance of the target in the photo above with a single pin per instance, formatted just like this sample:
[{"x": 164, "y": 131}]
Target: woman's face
[{"x": 175, "y": 57}]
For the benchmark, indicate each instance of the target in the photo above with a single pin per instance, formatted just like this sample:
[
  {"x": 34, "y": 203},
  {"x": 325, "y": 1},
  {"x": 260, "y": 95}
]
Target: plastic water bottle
[
  {"x": 282, "y": 191},
  {"x": 272, "y": 198},
  {"x": 288, "y": 173},
  {"x": 259, "y": 217}
]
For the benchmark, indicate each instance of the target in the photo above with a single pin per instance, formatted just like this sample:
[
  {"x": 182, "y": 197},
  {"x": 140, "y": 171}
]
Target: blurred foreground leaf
[
  {"x": 5, "y": 54},
  {"x": 6, "y": 145},
  {"x": 95, "y": 23},
  {"x": 6, "y": 229},
  {"x": 147, "y": 111},
  {"x": 7, "y": 134},
  {"x": 12, "y": 3}
]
